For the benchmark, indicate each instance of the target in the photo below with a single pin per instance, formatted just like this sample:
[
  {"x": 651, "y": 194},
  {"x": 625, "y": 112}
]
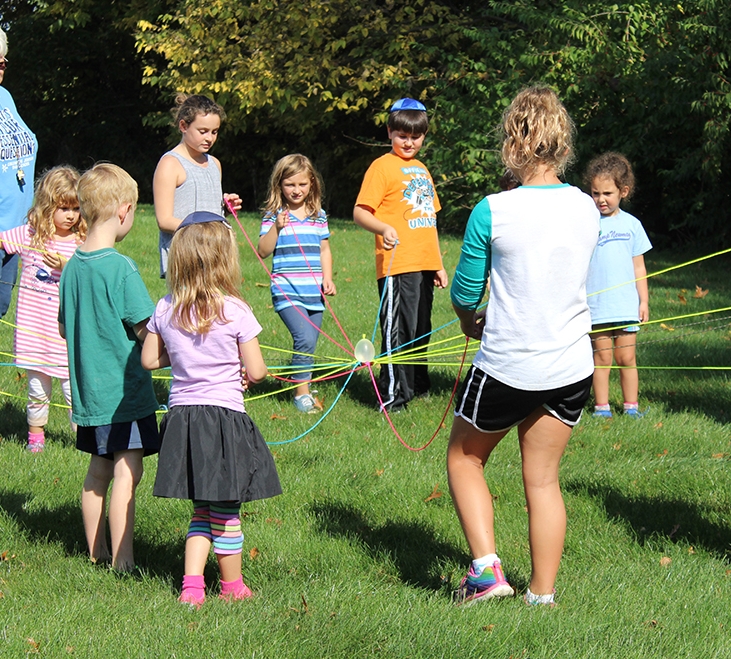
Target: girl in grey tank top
[
  {"x": 197, "y": 186},
  {"x": 201, "y": 191}
]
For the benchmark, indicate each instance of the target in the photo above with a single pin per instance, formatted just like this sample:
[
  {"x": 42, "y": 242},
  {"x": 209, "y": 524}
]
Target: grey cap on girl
[{"x": 201, "y": 217}]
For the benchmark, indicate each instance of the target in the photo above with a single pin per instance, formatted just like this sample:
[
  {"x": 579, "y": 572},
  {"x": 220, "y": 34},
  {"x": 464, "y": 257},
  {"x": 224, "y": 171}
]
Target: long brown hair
[
  {"x": 285, "y": 168},
  {"x": 55, "y": 189},
  {"x": 203, "y": 269}
]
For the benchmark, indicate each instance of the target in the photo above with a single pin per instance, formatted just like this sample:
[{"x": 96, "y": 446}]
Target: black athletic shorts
[{"x": 491, "y": 406}]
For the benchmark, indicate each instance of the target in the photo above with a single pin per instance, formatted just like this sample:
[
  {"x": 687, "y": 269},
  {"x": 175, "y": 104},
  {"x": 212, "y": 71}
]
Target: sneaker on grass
[
  {"x": 306, "y": 404},
  {"x": 491, "y": 583}
]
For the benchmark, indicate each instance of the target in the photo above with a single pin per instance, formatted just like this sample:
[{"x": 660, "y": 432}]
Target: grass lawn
[{"x": 359, "y": 556}]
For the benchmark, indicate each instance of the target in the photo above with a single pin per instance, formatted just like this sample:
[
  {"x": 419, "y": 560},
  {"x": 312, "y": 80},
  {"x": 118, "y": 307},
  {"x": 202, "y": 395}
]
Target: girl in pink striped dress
[{"x": 53, "y": 232}]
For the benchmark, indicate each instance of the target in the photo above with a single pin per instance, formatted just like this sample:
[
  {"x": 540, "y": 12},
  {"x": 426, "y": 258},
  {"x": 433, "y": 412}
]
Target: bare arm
[
  {"x": 169, "y": 174},
  {"x": 641, "y": 276},
  {"x": 255, "y": 370},
  {"x": 140, "y": 330},
  {"x": 471, "y": 322},
  {"x": 326, "y": 261},
  {"x": 364, "y": 217},
  {"x": 62, "y": 330},
  {"x": 154, "y": 353},
  {"x": 268, "y": 241}
]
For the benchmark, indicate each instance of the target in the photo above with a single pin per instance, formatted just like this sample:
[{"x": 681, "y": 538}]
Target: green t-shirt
[{"x": 102, "y": 298}]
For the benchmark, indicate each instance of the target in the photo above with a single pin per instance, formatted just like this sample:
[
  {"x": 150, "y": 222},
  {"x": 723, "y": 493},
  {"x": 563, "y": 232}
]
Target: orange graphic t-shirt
[{"x": 401, "y": 194}]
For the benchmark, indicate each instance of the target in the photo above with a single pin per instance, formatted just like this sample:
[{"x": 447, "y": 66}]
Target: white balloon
[{"x": 364, "y": 351}]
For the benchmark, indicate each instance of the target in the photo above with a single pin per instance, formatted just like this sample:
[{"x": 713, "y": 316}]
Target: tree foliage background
[{"x": 649, "y": 78}]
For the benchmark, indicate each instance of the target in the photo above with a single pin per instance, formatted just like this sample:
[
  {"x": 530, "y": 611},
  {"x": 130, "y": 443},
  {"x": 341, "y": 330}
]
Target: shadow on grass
[
  {"x": 412, "y": 546},
  {"x": 657, "y": 518},
  {"x": 14, "y": 422},
  {"x": 63, "y": 524}
]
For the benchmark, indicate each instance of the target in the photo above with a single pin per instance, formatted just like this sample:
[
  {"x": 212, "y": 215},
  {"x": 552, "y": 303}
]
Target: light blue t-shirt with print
[
  {"x": 622, "y": 238},
  {"x": 18, "y": 149}
]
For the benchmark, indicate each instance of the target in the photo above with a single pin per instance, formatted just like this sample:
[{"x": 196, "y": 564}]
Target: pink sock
[
  {"x": 235, "y": 590},
  {"x": 36, "y": 441},
  {"x": 194, "y": 590}
]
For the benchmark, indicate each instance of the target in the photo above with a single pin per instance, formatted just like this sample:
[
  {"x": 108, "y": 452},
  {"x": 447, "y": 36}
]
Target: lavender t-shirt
[{"x": 206, "y": 367}]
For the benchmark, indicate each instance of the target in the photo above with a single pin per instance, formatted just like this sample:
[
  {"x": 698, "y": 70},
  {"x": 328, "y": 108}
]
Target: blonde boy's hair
[
  {"x": 103, "y": 189},
  {"x": 537, "y": 130},
  {"x": 55, "y": 189},
  {"x": 3, "y": 44},
  {"x": 203, "y": 268},
  {"x": 287, "y": 167}
]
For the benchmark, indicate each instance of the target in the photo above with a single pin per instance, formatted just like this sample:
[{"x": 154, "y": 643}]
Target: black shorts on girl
[
  {"x": 617, "y": 328},
  {"x": 491, "y": 406},
  {"x": 106, "y": 440}
]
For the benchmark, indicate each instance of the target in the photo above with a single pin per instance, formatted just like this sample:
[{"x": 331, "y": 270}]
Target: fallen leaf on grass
[
  {"x": 667, "y": 327},
  {"x": 20, "y": 375},
  {"x": 617, "y": 446},
  {"x": 253, "y": 553},
  {"x": 665, "y": 561},
  {"x": 273, "y": 520},
  {"x": 719, "y": 456},
  {"x": 435, "y": 494},
  {"x": 682, "y": 299},
  {"x": 319, "y": 403},
  {"x": 691, "y": 550},
  {"x": 665, "y": 452},
  {"x": 699, "y": 292},
  {"x": 258, "y": 284},
  {"x": 651, "y": 623},
  {"x": 274, "y": 417},
  {"x": 70, "y": 649},
  {"x": 348, "y": 279},
  {"x": 34, "y": 645},
  {"x": 379, "y": 472},
  {"x": 488, "y": 628},
  {"x": 658, "y": 425}
]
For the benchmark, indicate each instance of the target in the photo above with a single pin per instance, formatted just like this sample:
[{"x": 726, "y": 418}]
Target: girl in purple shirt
[{"x": 212, "y": 452}]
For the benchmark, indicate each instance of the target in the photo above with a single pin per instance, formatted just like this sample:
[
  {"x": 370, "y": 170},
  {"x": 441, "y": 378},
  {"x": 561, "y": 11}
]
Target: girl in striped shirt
[
  {"x": 295, "y": 231},
  {"x": 53, "y": 232}
]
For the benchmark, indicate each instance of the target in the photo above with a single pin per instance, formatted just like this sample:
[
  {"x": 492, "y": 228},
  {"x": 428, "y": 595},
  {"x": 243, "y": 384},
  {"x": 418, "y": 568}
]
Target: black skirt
[{"x": 212, "y": 453}]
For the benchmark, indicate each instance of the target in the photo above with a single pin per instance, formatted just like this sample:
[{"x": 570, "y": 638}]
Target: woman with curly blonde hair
[{"x": 534, "y": 367}]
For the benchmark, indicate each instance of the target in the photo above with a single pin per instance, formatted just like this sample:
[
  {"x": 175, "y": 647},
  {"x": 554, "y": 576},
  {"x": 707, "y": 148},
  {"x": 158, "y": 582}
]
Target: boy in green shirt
[{"x": 103, "y": 312}]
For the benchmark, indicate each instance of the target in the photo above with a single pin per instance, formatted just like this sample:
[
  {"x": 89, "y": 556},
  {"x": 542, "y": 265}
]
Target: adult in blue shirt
[{"x": 18, "y": 148}]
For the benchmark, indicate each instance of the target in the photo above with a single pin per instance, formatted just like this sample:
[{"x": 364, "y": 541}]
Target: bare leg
[
  {"x": 602, "y": 344},
  {"x": 127, "y": 475},
  {"x": 543, "y": 439},
  {"x": 302, "y": 389},
  {"x": 197, "y": 548},
  {"x": 626, "y": 356},
  {"x": 93, "y": 506},
  {"x": 230, "y": 566},
  {"x": 467, "y": 455}
]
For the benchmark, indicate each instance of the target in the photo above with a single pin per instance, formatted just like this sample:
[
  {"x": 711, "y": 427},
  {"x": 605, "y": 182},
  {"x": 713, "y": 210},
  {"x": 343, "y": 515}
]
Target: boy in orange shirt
[{"x": 398, "y": 203}]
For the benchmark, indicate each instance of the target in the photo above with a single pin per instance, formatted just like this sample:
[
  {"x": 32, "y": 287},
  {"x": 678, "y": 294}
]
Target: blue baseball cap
[
  {"x": 202, "y": 217},
  {"x": 408, "y": 104}
]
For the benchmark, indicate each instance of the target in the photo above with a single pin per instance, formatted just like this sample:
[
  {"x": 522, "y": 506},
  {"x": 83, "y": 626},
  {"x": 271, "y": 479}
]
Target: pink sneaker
[{"x": 491, "y": 583}]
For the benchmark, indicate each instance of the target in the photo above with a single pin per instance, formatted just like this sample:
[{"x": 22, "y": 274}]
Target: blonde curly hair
[
  {"x": 537, "y": 130},
  {"x": 55, "y": 189}
]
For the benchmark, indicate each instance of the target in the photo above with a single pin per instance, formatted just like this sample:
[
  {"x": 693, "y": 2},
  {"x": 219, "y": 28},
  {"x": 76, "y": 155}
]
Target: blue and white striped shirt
[{"x": 296, "y": 265}]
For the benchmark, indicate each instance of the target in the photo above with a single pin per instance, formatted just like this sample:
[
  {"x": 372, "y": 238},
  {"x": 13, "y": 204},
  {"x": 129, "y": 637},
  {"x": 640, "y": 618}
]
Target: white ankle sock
[{"x": 479, "y": 564}]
